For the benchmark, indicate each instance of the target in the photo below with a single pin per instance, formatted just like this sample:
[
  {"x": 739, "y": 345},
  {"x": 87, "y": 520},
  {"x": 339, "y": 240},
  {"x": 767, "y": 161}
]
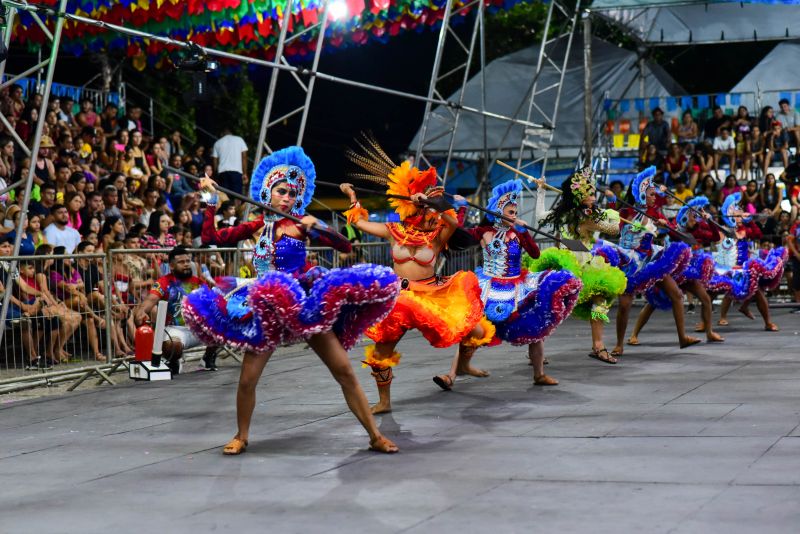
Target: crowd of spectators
[
  {"x": 725, "y": 154},
  {"x": 100, "y": 183}
]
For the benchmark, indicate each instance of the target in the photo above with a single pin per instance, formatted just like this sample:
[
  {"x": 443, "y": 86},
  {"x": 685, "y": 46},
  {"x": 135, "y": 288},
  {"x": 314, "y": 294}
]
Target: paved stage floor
[{"x": 701, "y": 440}]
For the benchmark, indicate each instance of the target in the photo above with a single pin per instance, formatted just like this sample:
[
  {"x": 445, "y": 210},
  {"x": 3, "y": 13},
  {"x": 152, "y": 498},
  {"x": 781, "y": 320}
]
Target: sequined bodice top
[
  {"x": 502, "y": 258},
  {"x": 287, "y": 254}
]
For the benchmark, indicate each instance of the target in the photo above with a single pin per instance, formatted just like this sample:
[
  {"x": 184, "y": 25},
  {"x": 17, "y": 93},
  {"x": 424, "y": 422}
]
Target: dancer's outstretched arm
[{"x": 357, "y": 215}]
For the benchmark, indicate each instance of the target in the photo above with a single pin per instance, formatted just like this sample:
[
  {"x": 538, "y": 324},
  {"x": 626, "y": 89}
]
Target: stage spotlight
[{"x": 338, "y": 10}]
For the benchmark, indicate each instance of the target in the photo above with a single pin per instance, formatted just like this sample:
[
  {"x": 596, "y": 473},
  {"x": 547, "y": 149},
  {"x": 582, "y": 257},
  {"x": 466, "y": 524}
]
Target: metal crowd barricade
[{"x": 58, "y": 328}]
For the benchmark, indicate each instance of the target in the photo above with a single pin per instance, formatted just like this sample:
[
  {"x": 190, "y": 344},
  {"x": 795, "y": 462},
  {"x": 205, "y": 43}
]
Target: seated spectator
[
  {"x": 716, "y": 123},
  {"x": 158, "y": 232},
  {"x": 702, "y": 162},
  {"x": 770, "y": 196},
  {"x": 111, "y": 202},
  {"x": 92, "y": 277},
  {"x": 27, "y": 246},
  {"x": 68, "y": 286},
  {"x": 757, "y": 149},
  {"x": 751, "y": 197},
  {"x": 35, "y": 231},
  {"x": 682, "y": 191},
  {"x": 74, "y": 203},
  {"x": 19, "y": 307},
  {"x": 173, "y": 287},
  {"x": 7, "y": 164},
  {"x": 87, "y": 116},
  {"x": 58, "y": 233},
  {"x": 742, "y": 125},
  {"x": 688, "y": 133},
  {"x": 729, "y": 188},
  {"x": 725, "y": 146},
  {"x": 777, "y": 146},
  {"x": 790, "y": 121},
  {"x": 656, "y": 133},
  {"x": 108, "y": 119},
  {"x": 675, "y": 164},
  {"x": 113, "y": 230},
  {"x": 652, "y": 157}
]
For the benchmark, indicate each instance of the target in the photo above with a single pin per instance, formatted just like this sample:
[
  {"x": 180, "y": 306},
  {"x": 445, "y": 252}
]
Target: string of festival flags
[{"x": 249, "y": 27}]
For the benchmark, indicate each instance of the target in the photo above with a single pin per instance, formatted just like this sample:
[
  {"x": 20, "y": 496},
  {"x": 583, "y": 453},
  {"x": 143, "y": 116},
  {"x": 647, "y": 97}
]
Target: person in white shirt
[
  {"x": 724, "y": 145},
  {"x": 790, "y": 120},
  {"x": 58, "y": 233},
  {"x": 229, "y": 156}
]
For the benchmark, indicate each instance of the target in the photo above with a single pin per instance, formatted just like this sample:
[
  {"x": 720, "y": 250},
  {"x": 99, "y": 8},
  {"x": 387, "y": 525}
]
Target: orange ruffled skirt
[{"x": 445, "y": 310}]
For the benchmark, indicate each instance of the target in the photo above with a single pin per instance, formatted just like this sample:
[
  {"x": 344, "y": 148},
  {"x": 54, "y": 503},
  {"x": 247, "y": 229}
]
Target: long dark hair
[
  {"x": 567, "y": 211},
  {"x": 58, "y": 263},
  {"x": 154, "y": 222},
  {"x": 108, "y": 226}
]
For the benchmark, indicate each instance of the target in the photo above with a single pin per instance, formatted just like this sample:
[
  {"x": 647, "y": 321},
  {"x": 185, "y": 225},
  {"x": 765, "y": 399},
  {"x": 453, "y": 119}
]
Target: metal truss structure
[{"x": 306, "y": 78}]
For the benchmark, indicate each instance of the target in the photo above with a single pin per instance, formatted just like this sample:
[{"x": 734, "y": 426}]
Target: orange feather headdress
[{"x": 403, "y": 180}]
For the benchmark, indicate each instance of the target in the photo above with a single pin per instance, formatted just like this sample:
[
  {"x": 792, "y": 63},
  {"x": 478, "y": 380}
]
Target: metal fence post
[{"x": 108, "y": 279}]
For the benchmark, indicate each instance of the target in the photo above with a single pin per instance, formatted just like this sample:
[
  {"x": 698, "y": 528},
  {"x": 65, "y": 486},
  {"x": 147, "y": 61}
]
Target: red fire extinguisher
[{"x": 143, "y": 340}]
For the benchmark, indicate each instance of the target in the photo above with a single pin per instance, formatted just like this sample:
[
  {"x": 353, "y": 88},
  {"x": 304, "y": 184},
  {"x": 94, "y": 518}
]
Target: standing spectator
[
  {"x": 715, "y": 124},
  {"x": 230, "y": 161},
  {"x": 724, "y": 146},
  {"x": 757, "y": 149},
  {"x": 777, "y": 144},
  {"x": 58, "y": 233},
  {"x": 656, "y": 132},
  {"x": 173, "y": 287},
  {"x": 765, "y": 119},
  {"x": 688, "y": 133},
  {"x": 790, "y": 121}
]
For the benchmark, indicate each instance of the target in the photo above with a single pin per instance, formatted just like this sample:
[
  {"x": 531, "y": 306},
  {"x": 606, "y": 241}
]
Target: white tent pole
[{"x": 587, "y": 85}]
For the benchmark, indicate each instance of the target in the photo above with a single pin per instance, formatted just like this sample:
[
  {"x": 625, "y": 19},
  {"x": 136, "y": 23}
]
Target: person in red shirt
[{"x": 173, "y": 287}]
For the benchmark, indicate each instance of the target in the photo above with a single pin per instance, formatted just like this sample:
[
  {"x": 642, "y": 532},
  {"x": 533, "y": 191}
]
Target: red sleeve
[
  {"x": 461, "y": 215},
  {"x": 326, "y": 240},
  {"x": 476, "y": 232},
  {"x": 706, "y": 233},
  {"x": 159, "y": 289},
  {"x": 226, "y": 236},
  {"x": 529, "y": 244}
]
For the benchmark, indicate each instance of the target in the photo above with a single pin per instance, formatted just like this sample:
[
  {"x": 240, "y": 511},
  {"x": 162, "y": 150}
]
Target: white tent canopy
[
  {"x": 778, "y": 71},
  {"x": 509, "y": 78},
  {"x": 663, "y": 22}
]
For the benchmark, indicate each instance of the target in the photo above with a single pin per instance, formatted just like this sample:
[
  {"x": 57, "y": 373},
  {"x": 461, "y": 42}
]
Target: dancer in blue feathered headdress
[
  {"x": 646, "y": 264},
  {"x": 289, "y": 302},
  {"x": 525, "y": 307},
  {"x": 695, "y": 277},
  {"x": 742, "y": 277}
]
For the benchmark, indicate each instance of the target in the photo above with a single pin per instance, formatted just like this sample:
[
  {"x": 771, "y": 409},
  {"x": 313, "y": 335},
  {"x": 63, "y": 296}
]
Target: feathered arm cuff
[{"x": 356, "y": 213}]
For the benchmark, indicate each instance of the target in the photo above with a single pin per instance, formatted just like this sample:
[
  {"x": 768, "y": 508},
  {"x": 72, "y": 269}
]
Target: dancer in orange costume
[{"x": 447, "y": 310}]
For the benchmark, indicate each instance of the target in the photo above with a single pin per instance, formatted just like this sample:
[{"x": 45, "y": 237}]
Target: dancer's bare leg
[
  {"x": 763, "y": 308},
  {"x": 697, "y": 289},
  {"x": 723, "y": 310},
  {"x": 536, "y": 355},
  {"x": 676, "y": 296},
  {"x": 623, "y": 313},
  {"x": 465, "y": 354},
  {"x": 383, "y": 377},
  {"x": 333, "y": 355},
  {"x": 252, "y": 366},
  {"x": 644, "y": 316}
]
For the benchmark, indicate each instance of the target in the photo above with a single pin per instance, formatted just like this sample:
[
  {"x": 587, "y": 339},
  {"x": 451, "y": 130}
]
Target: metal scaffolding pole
[
  {"x": 273, "y": 83},
  {"x": 587, "y": 84},
  {"x": 314, "y": 65},
  {"x": 51, "y": 67}
]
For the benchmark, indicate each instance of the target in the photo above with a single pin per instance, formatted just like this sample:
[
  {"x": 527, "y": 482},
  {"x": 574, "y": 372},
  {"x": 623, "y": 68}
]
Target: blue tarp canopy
[{"x": 667, "y": 23}]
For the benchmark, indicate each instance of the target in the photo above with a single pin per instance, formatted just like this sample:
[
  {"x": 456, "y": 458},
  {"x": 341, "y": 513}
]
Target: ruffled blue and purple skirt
[
  {"x": 700, "y": 268},
  {"x": 529, "y": 307},
  {"x": 741, "y": 283},
  {"x": 642, "y": 271},
  {"x": 278, "y": 309}
]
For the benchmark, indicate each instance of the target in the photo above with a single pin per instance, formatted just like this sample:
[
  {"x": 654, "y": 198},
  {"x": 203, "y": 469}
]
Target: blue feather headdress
[
  {"x": 509, "y": 192},
  {"x": 697, "y": 203},
  {"x": 730, "y": 206},
  {"x": 643, "y": 182},
  {"x": 289, "y": 165}
]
